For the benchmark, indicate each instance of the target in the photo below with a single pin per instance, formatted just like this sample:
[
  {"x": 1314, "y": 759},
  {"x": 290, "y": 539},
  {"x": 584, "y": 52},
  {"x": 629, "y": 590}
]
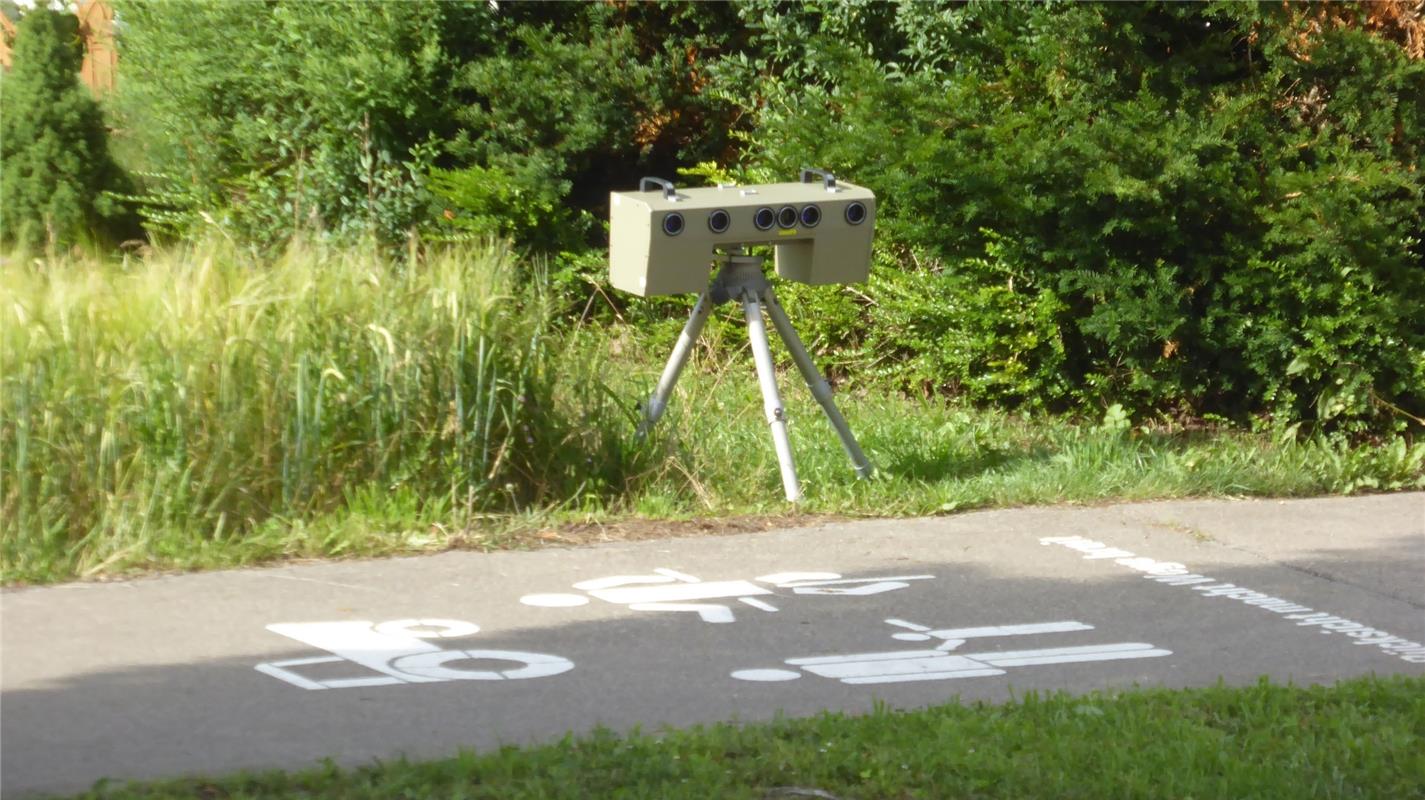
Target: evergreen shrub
[
  {"x": 575, "y": 99},
  {"x": 55, "y": 167}
]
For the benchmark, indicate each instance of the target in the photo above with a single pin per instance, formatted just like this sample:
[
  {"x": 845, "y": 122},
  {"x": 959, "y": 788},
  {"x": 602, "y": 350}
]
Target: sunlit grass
[
  {"x": 934, "y": 457},
  {"x": 171, "y": 410},
  {"x": 194, "y": 409},
  {"x": 1363, "y": 738}
]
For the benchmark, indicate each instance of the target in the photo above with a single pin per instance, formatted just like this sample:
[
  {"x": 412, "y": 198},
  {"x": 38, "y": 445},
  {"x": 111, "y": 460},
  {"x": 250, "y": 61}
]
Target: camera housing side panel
[{"x": 645, "y": 258}]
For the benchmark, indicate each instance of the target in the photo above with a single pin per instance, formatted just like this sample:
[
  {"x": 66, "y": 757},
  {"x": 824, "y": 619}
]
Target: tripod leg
[
  {"x": 656, "y": 404},
  {"x": 820, "y": 389},
  {"x": 771, "y": 400}
]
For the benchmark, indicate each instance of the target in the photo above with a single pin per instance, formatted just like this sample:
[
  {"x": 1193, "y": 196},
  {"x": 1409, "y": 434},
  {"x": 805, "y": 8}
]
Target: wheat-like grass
[{"x": 192, "y": 396}]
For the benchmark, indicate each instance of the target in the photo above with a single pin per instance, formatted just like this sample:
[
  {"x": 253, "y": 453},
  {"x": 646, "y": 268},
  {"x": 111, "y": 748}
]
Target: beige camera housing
[{"x": 651, "y": 254}]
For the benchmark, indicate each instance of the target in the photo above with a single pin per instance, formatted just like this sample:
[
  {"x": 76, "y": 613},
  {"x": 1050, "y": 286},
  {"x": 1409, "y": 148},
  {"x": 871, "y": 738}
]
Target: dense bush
[
  {"x": 576, "y": 99},
  {"x": 55, "y": 167},
  {"x": 341, "y": 118},
  {"x": 1202, "y": 209},
  {"x": 269, "y": 119}
]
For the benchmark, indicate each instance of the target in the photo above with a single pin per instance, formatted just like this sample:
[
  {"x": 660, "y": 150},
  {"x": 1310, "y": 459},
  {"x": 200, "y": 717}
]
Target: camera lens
[
  {"x": 811, "y": 215},
  {"x": 718, "y": 221},
  {"x": 787, "y": 217},
  {"x": 856, "y": 213},
  {"x": 765, "y": 219},
  {"x": 673, "y": 224}
]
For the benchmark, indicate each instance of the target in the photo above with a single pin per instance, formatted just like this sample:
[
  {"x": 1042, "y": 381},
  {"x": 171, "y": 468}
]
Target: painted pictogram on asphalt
[
  {"x": 902, "y": 666},
  {"x": 403, "y": 651},
  {"x": 669, "y": 590},
  {"x": 400, "y": 651}
]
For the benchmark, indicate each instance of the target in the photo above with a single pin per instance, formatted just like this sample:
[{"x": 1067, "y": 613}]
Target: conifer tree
[{"x": 54, "y": 154}]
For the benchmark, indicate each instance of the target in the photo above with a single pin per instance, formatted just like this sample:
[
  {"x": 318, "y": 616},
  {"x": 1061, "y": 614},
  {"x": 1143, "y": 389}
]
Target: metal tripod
[{"x": 741, "y": 279}]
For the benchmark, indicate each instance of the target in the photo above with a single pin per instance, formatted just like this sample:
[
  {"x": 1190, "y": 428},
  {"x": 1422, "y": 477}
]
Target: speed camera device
[
  {"x": 665, "y": 240},
  {"x": 662, "y": 238}
]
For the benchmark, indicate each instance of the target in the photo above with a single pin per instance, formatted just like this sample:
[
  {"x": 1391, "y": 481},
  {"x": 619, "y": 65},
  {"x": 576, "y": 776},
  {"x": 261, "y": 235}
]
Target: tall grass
[
  {"x": 195, "y": 408},
  {"x": 191, "y": 398}
]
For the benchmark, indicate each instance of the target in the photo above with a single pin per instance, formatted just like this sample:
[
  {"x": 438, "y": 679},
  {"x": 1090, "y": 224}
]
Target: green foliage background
[
  {"x": 1190, "y": 210},
  {"x": 1179, "y": 208},
  {"x": 55, "y": 167}
]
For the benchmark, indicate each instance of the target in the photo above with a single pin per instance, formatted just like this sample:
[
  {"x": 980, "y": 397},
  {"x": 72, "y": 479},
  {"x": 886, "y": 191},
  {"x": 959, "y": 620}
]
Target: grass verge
[
  {"x": 196, "y": 410},
  {"x": 1362, "y": 738}
]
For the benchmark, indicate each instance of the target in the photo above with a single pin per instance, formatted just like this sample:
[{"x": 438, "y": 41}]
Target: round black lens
[
  {"x": 718, "y": 221},
  {"x": 811, "y": 215},
  {"x": 856, "y": 213},
  {"x": 787, "y": 217},
  {"x": 673, "y": 224},
  {"x": 765, "y": 219}
]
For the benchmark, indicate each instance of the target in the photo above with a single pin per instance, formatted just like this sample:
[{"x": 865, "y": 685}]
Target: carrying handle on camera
[
  {"x": 669, "y": 193},
  {"x": 827, "y": 179}
]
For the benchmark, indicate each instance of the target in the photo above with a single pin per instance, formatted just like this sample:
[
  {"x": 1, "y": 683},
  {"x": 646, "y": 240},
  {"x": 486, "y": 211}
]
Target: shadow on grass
[{"x": 959, "y": 466}]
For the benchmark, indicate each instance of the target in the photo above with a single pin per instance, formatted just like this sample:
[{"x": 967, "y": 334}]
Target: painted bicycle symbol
[{"x": 400, "y": 651}]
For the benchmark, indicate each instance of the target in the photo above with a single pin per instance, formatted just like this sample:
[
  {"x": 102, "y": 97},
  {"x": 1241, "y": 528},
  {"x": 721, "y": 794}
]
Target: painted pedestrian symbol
[
  {"x": 900, "y": 666},
  {"x": 399, "y": 651},
  {"x": 668, "y": 590}
]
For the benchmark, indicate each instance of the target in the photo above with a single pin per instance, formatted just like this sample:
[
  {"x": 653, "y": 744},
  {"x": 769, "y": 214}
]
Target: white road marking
[
  {"x": 828, "y": 582},
  {"x": 1066, "y": 655},
  {"x": 709, "y": 612},
  {"x": 431, "y": 665},
  {"x": 359, "y": 642},
  {"x": 1172, "y": 573},
  {"x": 766, "y": 675},
  {"x": 679, "y": 592},
  {"x": 867, "y": 589},
  {"x": 398, "y": 652},
  {"x": 278, "y": 670},
  {"x": 927, "y": 676},
  {"x": 900, "y": 666},
  {"x": 669, "y": 590},
  {"x": 1009, "y": 630}
]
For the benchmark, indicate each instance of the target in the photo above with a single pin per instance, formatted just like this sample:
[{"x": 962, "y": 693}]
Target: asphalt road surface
[{"x": 422, "y": 656}]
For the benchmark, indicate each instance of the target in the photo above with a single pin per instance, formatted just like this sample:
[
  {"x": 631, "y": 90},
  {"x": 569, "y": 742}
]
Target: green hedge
[{"x": 1193, "y": 209}]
